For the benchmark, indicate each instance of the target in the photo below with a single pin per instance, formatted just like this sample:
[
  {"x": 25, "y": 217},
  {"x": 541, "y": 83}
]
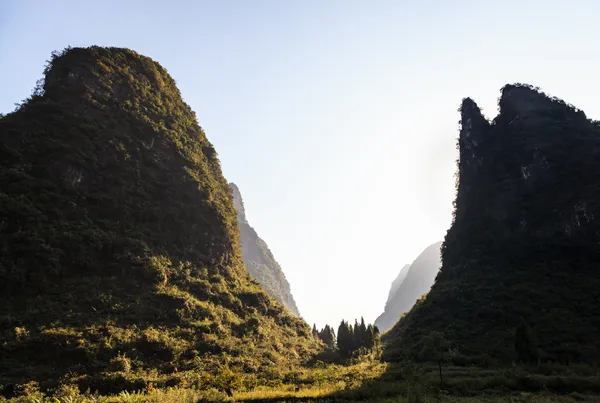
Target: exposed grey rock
[{"x": 260, "y": 261}]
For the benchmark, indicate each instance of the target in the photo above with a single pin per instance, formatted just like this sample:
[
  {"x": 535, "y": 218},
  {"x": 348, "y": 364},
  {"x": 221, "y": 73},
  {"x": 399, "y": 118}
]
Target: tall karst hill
[
  {"x": 414, "y": 283},
  {"x": 120, "y": 260},
  {"x": 259, "y": 260},
  {"x": 524, "y": 239}
]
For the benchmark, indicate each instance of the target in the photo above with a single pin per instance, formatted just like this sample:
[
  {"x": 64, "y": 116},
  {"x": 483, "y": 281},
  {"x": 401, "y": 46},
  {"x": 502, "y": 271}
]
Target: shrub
[{"x": 120, "y": 363}]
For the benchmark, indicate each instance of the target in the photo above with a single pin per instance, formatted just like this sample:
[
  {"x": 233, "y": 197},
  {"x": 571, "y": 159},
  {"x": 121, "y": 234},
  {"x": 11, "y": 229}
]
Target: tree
[
  {"x": 327, "y": 335},
  {"x": 435, "y": 348},
  {"x": 372, "y": 337},
  {"x": 227, "y": 380},
  {"x": 353, "y": 345},
  {"x": 356, "y": 339},
  {"x": 315, "y": 332},
  {"x": 344, "y": 339},
  {"x": 376, "y": 342},
  {"x": 370, "y": 340},
  {"x": 363, "y": 332},
  {"x": 525, "y": 343}
]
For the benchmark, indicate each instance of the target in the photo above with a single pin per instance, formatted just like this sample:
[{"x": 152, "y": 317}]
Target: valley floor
[{"x": 374, "y": 382}]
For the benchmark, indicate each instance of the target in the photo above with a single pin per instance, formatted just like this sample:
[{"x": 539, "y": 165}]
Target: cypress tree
[
  {"x": 328, "y": 336},
  {"x": 344, "y": 339},
  {"x": 375, "y": 339},
  {"x": 363, "y": 333},
  {"x": 354, "y": 338},
  {"x": 370, "y": 336},
  {"x": 353, "y": 332}
]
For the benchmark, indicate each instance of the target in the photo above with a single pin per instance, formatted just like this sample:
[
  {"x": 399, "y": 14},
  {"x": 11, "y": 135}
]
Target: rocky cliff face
[
  {"x": 396, "y": 284},
  {"x": 416, "y": 281},
  {"x": 120, "y": 261},
  {"x": 260, "y": 261},
  {"x": 524, "y": 238}
]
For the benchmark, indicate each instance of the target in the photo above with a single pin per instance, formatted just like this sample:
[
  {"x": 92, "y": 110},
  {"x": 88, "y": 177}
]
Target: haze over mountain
[
  {"x": 259, "y": 260},
  {"x": 415, "y": 281},
  {"x": 397, "y": 283},
  {"x": 523, "y": 246},
  {"x": 120, "y": 260}
]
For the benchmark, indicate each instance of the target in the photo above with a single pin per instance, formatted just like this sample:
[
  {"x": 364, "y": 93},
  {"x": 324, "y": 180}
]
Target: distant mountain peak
[
  {"x": 238, "y": 202},
  {"x": 259, "y": 259},
  {"x": 397, "y": 283},
  {"x": 412, "y": 282}
]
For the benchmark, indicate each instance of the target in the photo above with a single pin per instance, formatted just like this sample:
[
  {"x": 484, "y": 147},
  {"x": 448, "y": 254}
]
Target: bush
[{"x": 120, "y": 363}]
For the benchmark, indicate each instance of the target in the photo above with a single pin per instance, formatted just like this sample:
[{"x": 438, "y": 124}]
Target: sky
[{"x": 337, "y": 119}]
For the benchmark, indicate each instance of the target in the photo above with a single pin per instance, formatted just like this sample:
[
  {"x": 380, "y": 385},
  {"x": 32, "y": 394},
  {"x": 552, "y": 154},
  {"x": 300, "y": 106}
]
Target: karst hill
[
  {"x": 120, "y": 257},
  {"x": 523, "y": 245},
  {"x": 412, "y": 283},
  {"x": 259, "y": 259}
]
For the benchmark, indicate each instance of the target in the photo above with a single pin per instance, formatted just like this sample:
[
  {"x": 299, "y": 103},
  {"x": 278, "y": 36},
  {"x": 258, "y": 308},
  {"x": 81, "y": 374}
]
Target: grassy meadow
[{"x": 367, "y": 381}]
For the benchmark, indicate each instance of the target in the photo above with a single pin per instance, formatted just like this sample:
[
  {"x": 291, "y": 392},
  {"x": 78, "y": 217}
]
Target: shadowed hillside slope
[
  {"x": 119, "y": 244},
  {"x": 417, "y": 281},
  {"x": 259, "y": 260},
  {"x": 524, "y": 239}
]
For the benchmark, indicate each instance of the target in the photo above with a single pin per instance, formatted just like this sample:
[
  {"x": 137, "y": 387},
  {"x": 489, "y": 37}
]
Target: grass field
[{"x": 368, "y": 382}]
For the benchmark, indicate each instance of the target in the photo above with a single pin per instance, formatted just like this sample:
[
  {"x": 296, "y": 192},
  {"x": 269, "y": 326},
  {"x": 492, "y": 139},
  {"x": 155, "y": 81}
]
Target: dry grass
[{"x": 363, "y": 382}]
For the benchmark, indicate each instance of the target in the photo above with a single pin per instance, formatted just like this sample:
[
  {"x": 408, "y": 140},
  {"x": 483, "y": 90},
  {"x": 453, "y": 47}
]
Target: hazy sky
[{"x": 336, "y": 118}]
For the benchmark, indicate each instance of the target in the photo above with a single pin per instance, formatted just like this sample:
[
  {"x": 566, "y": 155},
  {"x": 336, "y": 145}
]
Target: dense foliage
[
  {"x": 357, "y": 339},
  {"x": 259, "y": 259},
  {"x": 120, "y": 262},
  {"x": 524, "y": 240},
  {"x": 327, "y": 336},
  {"x": 525, "y": 344}
]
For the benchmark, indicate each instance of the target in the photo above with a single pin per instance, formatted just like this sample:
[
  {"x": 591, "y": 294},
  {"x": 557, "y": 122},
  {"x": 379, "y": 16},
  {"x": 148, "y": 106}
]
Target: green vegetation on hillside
[
  {"x": 120, "y": 262},
  {"x": 259, "y": 260},
  {"x": 524, "y": 241},
  {"x": 122, "y": 279}
]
